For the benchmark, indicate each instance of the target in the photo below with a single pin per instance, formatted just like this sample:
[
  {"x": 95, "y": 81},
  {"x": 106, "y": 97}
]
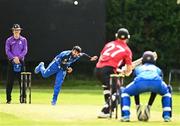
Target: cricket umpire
[{"x": 16, "y": 50}]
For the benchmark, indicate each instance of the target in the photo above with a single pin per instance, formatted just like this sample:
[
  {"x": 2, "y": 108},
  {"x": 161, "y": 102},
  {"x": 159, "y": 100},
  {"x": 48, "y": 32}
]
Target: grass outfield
[{"x": 77, "y": 106}]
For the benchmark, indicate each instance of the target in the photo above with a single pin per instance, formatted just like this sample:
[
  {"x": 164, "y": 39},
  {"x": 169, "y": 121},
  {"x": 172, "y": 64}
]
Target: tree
[{"x": 153, "y": 25}]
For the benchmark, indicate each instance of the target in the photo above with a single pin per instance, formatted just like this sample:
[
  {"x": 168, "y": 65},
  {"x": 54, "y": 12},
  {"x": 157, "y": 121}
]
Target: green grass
[{"x": 78, "y": 105}]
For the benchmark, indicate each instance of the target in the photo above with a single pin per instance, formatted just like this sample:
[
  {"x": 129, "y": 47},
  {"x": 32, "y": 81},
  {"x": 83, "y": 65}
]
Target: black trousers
[
  {"x": 11, "y": 76},
  {"x": 103, "y": 75}
]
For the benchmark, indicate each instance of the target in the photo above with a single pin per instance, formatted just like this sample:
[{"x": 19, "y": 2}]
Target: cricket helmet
[
  {"x": 148, "y": 57},
  {"x": 77, "y": 48},
  {"x": 123, "y": 34}
]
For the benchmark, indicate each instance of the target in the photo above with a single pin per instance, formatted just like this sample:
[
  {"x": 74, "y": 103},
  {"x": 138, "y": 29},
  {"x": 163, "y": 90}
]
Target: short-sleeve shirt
[{"x": 114, "y": 54}]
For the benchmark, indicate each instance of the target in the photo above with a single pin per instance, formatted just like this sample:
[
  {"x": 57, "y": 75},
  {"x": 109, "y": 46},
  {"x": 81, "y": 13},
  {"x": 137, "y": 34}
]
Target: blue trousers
[
  {"x": 139, "y": 86},
  {"x": 53, "y": 68}
]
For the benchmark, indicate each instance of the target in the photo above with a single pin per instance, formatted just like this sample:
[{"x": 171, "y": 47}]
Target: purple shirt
[{"x": 16, "y": 47}]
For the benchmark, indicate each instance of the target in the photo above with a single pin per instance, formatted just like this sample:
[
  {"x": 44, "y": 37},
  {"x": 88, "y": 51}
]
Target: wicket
[
  {"x": 173, "y": 71},
  {"x": 118, "y": 83},
  {"x": 25, "y": 85}
]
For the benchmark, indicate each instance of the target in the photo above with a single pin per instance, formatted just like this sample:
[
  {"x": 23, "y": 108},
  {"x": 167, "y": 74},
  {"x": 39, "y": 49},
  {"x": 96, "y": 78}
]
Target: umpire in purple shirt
[{"x": 16, "y": 50}]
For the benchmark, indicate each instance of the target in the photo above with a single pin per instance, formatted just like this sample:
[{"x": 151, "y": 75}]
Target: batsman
[
  {"x": 148, "y": 78},
  {"x": 112, "y": 56},
  {"x": 61, "y": 66}
]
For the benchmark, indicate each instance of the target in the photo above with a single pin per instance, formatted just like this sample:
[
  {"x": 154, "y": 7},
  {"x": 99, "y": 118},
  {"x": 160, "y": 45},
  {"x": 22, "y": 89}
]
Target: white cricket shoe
[
  {"x": 103, "y": 115},
  {"x": 167, "y": 118},
  {"x": 125, "y": 119}
]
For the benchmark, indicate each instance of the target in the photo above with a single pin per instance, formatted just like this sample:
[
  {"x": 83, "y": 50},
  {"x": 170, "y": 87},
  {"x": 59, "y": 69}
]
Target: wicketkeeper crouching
[{"x": 147, "y": 79}]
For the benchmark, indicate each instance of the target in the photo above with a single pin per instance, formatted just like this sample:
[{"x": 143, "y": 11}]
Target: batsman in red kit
[{"x": 113, "y": 55}]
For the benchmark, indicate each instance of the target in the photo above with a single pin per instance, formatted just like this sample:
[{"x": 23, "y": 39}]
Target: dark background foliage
[{"x": 153, "y": 25}]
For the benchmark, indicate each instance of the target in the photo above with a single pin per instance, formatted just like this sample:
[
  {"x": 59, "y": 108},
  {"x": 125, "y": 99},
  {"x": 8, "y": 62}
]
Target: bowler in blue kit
[
  {"x": 61, "y": 66},
  {"x": 148, "y": 78}
]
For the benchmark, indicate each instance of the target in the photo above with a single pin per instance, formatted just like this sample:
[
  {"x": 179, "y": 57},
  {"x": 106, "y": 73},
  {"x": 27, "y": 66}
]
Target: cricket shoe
[
  {"x": 103, "y": 115},
  {"x": 53, "y": 103},
  {"x": 125, "y": 119},
  {"x": 167, "y": 118},
  {"x": 8, "y": 102},
  {"x": 139, "y": 112},
  {"x": 37, "y": 69}
]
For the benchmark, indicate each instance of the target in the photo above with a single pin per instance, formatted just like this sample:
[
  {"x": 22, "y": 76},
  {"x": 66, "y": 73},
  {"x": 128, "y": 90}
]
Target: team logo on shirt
[{"x": 20, "y": 42}]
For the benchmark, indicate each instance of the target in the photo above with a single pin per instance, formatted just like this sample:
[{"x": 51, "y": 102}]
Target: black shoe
[{"x": 8, "y": 102}]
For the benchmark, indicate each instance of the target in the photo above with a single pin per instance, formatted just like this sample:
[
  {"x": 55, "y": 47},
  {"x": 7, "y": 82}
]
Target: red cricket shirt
[{"x": 114, "y": 53}]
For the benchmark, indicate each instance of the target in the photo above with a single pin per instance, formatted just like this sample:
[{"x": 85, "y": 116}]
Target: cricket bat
[{"x": 136, "y": 63}]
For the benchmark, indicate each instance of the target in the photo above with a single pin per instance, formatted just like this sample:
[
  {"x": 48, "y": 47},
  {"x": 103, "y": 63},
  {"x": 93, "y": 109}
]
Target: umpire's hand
[{"x": 16, "y": 60}]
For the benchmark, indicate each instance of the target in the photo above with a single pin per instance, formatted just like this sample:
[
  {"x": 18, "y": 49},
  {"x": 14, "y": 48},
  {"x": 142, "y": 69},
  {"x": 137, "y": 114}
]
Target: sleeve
[
  {"x": 128, "y": 58},
  {"x": 160, "y": 73},
  {"x": 25, "y": 49},
  {"x": 8, "y": 50},
  {"x": 135, "y": 72},
  {"x": 60, "y": 56},
  {"x": 86, "y": 55}
]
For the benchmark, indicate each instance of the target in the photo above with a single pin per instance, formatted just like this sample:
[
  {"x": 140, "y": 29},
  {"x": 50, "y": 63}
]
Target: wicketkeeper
[
  {"x": 61, "y": 66},
  {"x": 148, "y": 78}
]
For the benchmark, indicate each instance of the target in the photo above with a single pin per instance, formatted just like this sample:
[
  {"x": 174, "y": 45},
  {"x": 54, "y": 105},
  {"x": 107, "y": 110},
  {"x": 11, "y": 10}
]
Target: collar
[
  {"x": 15, "y": 38},
  {"x": 121, "y": 41}
]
